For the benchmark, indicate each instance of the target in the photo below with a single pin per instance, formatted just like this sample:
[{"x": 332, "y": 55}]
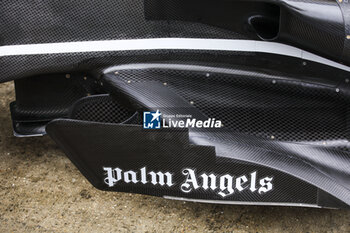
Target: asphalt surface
[{"x": 42, "y": 191}]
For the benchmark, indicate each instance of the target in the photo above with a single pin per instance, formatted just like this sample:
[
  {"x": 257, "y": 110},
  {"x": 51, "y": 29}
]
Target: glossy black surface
[
  {"x": 308, "y": 169},
  {"x": 316, "y": 26}
]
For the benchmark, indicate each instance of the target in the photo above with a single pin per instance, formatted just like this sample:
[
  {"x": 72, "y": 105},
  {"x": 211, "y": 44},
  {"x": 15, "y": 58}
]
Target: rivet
[
  {"x": 347, "y": 80},
  {"x": 191, "y": 102},
  {"x": 88, "y": 94},
  {"x": 67, "y": 75},
  {"x": 85, "y": 78},
  {"x": 304, "y": 63},
  {"x": 116, "y": 72},
  {"x": 273, "y": 81},
  {"x": 324, "y": 143},
  {"x": 348, "y": 37},
  {"x": 272, "y": 137},
  {"x": 337, "y": 90},
  {"x": 101, "y": 83},
  {"x": 165, "y": 84},
  {"x": 207, "y": 75},
  {"x": 340, "y": 1},
  {"x": 129, "y": 81}
]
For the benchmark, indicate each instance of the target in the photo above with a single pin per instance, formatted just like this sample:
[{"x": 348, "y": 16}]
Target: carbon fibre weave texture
[
  {"x": 264, "y": 104},
  {"x": 257, "y": 104},
  {"x": 288, "y": 117},
  {"x": 34, "y": 22},
  {"x": 31, "y": 22},
  {"x": 158, "y": 150},
  {"x": 18, "y": 67},
  {"x": 306, "y": 35},
  {"x": 46, "y": 97},
  {"x": 320, "y": 165},
  {"x": 100, "y": 108}
]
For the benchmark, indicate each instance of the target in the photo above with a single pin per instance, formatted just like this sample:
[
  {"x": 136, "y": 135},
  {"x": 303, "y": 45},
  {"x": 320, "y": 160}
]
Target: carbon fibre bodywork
[{"x": 275, "y": 73}]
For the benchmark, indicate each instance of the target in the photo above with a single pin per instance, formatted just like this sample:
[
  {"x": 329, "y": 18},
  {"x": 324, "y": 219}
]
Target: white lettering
[
  {"x": 240, "y": 181},
  {"x": 190, "y": 179},
  {"x": 265, "y": 185},
  {"x": 223, "y": 185},
  {"x": 113, "y": 176},
  {"x": 143, "y": 175},
  {"x": 226, "y": 185},
  {"x": 131, "y": 174},
  {"x": 205, "y": 178},
  {"x": 253, "y": 182},
  {"x": 159, "y": 177}
]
